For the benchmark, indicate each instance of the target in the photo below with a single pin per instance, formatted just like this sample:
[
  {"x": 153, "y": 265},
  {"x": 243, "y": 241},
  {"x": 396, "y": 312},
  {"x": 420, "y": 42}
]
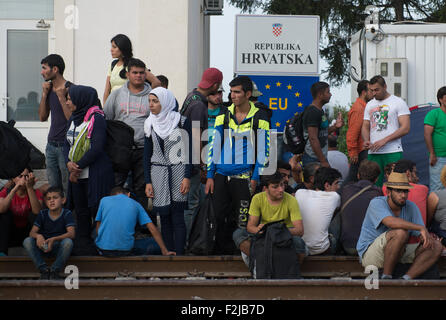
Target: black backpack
[
  {"x": 189, "y": 99},
  {"x": 37, "y": 158},
  {"x": 266, "y": 110},
  {"x": 273, "y": 254},
  {"x": 119, "y": 145},
  {"x": 293, "y": 134},
  {"x": 14, "y": 151},
  {"x": 203, "y": 230}
]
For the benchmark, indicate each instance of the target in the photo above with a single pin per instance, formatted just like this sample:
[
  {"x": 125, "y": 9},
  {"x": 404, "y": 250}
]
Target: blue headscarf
[{"x": 83, "y": 98}]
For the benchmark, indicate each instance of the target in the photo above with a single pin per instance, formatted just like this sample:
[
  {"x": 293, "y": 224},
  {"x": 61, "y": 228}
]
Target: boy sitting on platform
[
  {"x": 52, "y": 234},
  {"x": 116, "y": 220}
]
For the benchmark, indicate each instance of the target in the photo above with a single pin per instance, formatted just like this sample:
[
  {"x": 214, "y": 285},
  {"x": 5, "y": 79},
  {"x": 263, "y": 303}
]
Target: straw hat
[
  {"x": 443, "y": 176},
  {"x": 398, "y": 181}
]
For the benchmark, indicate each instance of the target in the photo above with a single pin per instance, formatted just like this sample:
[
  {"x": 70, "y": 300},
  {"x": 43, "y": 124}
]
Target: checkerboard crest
[{"x": 277, "y": 29}]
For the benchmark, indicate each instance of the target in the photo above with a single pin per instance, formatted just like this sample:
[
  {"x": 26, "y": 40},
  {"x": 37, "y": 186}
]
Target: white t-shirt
[
  {"x": 317, "y": 208},
  {"x": 338, "y": 161},
  {"x": 383, "y": 116}
]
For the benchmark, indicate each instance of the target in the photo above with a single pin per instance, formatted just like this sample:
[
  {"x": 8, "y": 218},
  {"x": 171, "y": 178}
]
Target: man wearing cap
[
  {"x": 388, "y": 223},
  {"x": 195, "y": 107}
]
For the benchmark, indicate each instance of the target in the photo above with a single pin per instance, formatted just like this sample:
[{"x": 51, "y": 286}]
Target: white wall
[
  {"x": 167, "y": 35},
  {"x": 424, "y": 46}
]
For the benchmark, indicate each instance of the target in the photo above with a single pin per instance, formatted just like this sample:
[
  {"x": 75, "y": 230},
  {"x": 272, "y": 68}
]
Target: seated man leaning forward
[
  {"x": 388, "y": 223},
  {"x": 273, "y": 204},
  {"x": 116, "y": 221}
]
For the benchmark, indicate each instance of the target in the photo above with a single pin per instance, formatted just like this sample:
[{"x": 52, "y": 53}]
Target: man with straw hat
[{"x": 388, "y": 223}]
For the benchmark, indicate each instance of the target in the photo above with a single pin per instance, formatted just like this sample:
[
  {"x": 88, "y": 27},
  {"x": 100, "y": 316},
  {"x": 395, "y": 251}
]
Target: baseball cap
[{"x": 209, "y": 77}]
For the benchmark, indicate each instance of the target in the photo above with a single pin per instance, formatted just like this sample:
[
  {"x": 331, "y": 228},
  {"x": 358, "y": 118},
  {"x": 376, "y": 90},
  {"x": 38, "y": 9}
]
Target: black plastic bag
[
  {"x": 14, "y": 151},
  {"x": 204, "y": 226}
]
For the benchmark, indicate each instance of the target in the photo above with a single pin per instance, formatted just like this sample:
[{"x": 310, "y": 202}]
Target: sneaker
[
  {"x": 245, "y": 259},
  {"x": 44, "y": 274},
  {"x": 54, "y": 275}
]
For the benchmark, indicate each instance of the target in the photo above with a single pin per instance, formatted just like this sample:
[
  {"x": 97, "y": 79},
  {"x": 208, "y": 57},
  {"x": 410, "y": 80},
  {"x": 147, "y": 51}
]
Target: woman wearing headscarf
[
  {"x": 167, "y": 165},
  {"x": 91, "y": 172}
]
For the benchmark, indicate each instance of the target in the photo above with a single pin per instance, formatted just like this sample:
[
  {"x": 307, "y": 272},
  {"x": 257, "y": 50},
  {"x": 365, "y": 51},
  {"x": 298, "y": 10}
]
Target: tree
[{"x": 341, "y": 19}]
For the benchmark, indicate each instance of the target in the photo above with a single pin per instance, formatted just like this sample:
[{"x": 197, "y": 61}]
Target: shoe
[
  {"x": 44, "y": 274},
  {"x": 54, "y": 275}
]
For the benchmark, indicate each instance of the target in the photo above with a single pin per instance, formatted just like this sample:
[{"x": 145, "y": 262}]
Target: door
[{"x": 22, "y": 47}]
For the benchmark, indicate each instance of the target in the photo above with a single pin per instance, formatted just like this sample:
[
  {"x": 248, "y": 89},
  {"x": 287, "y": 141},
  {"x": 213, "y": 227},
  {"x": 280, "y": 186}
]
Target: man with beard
[
  {"x": 316, "y": 126},
  {"x": 386, "y": 120},
  {"x": 54, "y": 94},
  {"x": 388, "y": 223}
]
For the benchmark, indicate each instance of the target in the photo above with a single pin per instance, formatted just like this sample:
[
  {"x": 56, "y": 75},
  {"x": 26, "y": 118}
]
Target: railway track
[{"x": 210, "y": 277}]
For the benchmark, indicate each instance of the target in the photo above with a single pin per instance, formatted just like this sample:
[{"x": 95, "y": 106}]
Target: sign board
[
  {"x": 276, "y": 44},
  {"x": 284, "y": 95}
]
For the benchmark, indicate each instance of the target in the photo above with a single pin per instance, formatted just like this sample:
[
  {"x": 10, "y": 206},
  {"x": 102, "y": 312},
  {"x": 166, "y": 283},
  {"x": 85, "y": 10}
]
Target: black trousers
[
  {"x": 353, "y": 171},
  {"x": 138, "y": 185},
  {"x": 231, "y": 198},
  {"x": 10, "y": 235}
]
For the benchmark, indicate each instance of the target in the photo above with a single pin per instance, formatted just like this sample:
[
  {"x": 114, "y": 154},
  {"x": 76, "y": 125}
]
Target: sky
[{"x": 222, "y": 52}]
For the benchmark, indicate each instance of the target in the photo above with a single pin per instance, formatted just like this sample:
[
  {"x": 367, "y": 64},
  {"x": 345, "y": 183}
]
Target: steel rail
[
  {"x": 187, "y": 266},
  {"x": 223, "y": 290}
]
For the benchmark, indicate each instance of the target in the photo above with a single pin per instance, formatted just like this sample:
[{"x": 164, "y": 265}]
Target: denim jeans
[
  {"x": 144, "y": 246},
  {"x": 434, "y": 174},
  {"x": 306, "y": 159},
  {"x": 61, "y": 250},
  {"x": 56, "y": 168}
]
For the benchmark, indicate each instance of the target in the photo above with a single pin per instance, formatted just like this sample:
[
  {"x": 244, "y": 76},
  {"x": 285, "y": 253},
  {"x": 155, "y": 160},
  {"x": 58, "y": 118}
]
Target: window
[
  {"x": 384, "y": 71},
  {"x": 27, "y": 9},
  {"x": 397, "y": 69}
]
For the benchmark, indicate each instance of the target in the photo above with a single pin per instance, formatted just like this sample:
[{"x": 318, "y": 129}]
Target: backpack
[
  {"x": 81, "y": 145},
  {"x": 119, "y": 145},
  {"x": 203, "y": 230},
  {"x": 14, "y": 151},
  {"x": 293, "y": 134},
  {"x": 266, "y": 110},
  {"x": 273, "y": 254},
  {"x": 37, "y": 158},
  {"x": 190, "y": 97}
]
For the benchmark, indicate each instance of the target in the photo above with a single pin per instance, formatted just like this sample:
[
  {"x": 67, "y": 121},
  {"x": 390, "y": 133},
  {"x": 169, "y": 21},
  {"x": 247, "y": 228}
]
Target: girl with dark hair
[
  {"x": 91, "y": 172},
  {"x": 122, "y": 51}
]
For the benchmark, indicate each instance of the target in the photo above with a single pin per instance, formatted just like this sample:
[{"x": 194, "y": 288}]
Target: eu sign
[{"x": 284, "y": 95}]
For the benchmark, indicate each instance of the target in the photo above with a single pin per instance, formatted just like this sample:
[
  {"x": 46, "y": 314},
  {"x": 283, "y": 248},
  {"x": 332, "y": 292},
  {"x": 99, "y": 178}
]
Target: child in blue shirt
[{"x": 116, "y": 219}]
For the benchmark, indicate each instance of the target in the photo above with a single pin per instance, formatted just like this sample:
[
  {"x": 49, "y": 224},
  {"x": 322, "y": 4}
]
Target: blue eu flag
[{"x": 284, "y": 95}]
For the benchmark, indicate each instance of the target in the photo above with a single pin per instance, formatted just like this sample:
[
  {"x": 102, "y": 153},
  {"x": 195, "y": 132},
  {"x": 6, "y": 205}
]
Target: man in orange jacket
[{"x": 355, "y": 143}]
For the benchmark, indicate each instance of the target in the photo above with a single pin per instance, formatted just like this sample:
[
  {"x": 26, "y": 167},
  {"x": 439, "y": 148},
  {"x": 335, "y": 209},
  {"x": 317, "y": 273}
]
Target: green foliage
[
  {"x": 340, "y": 19},
  {"x": 342, "y": 143}
]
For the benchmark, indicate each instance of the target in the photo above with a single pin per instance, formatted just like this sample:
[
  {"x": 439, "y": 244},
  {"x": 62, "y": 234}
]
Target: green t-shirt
[
  {"x": 288, "y": 209},
  {"x": 437, "y": 119}
]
